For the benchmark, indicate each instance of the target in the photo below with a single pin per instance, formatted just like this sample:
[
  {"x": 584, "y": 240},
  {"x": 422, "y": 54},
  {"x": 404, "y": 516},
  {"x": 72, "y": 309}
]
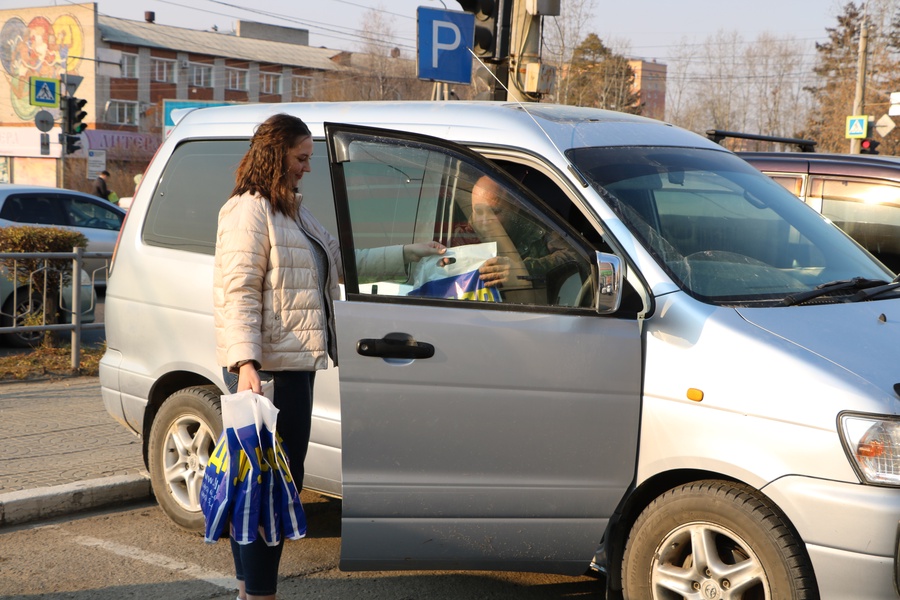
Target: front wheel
[
  {"x": 183, "y": 435},
  {"x": 716, "y": 540}
]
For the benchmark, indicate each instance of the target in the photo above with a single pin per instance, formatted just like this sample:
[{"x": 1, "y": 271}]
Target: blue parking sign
[{"x": 445, "y": 38}]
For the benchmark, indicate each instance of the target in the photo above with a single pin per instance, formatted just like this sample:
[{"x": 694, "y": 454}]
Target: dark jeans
[{"x": 256, "y": 564}]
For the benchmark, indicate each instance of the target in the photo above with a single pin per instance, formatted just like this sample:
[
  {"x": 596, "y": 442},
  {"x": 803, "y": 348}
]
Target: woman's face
[{"x": 297, "y": 161}]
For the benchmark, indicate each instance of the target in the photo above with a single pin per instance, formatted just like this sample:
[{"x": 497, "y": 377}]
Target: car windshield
[{"x": 724, "y": 232}]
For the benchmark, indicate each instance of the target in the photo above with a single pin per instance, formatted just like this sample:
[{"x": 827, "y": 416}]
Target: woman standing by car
[{"x": 275, "y": 279}]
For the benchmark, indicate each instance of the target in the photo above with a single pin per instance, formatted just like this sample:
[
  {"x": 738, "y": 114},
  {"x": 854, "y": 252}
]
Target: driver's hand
[{"x": 494, "y": 271}]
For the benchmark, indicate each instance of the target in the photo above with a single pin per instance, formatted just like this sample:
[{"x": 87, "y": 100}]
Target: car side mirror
[{"x": 609, "y": 272}]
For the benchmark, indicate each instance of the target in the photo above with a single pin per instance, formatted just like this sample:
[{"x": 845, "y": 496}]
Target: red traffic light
[{"x": 869, "y": 146}]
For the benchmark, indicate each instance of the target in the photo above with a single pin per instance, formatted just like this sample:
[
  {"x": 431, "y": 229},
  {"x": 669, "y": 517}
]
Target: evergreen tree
[
  {"x": 836, "y": 69},
  {"x": 600, "y": 78}
]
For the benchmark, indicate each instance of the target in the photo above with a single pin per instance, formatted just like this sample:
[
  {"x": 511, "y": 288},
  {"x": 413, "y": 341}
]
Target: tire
[
  {"x": 183, "y": 435},
  {"x": 715, "y": 540},
  {"x": 36, "y": 306}
]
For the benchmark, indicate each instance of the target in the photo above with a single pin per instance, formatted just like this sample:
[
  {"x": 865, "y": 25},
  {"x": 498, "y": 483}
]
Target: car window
[
  {"x": 33, "y": 208},
  {"x": 867, "y": 210},
  {"x": 83, "y": 212},
  {"x": 198, "y": 180},
  {"x": 403, "y": 193},
  {"x": 789, "y": 182}
]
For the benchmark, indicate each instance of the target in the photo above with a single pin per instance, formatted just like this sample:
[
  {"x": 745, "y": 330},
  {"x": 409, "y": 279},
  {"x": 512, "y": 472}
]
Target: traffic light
[
  {"x": 491, "y": 27},
  {"x": 76, "y": 115},
  {"x": 73, "y": 122},
  {"x": 869, "y": 146},
  {"x": 73, "y": 143}
]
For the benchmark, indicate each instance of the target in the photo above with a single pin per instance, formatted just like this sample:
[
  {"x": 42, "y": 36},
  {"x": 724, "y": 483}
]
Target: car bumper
[{"x": 851, "y": 533}]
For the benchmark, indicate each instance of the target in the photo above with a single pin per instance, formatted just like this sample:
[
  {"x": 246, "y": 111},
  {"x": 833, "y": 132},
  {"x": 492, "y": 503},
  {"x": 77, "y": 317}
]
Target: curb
[{"x": 24, "y": 506}]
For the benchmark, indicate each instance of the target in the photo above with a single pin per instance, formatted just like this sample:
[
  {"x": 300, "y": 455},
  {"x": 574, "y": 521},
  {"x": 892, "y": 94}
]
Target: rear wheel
[
  {"x": 716, "y": 540},
  {"x": 183, "y": 435}
]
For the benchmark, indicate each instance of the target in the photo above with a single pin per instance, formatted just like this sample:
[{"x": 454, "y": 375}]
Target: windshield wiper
[
  {"x": 876, "y": 291},
  {"x": 857, "y": 283}
]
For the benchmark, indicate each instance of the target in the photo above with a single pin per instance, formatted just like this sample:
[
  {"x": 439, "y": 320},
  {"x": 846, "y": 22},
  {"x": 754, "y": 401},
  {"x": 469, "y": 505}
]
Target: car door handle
[{"x": 395, "y": 345}]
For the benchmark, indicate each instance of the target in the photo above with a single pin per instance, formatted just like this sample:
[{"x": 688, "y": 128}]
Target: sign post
[{"x": 445, "y": 39}]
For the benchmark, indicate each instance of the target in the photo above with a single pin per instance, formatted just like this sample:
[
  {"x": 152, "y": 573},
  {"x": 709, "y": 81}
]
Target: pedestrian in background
[{"x": 100, "y": 185}]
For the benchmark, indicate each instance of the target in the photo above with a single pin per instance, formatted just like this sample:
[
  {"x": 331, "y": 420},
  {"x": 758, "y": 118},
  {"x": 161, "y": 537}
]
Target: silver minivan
[{"x": 689, "y": 382}]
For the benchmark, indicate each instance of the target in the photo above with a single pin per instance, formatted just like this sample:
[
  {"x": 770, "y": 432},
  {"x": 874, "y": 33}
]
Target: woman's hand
[
  {"x": 416, "y": 252},
  {"x": 248, "y": 378}
]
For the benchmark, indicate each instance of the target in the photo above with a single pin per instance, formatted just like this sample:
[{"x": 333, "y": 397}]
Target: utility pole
[
  {"x": 528, "y": 78},
  {"x": 859, "y": 100}
]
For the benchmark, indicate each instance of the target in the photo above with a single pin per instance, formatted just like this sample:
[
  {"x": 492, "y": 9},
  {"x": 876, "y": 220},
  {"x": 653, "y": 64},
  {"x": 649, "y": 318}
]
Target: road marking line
[{"x": 159, "y": 560}]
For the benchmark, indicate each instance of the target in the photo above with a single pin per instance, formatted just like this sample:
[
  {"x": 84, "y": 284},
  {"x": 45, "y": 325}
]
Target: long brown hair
[{"x": 262, "y": 170}]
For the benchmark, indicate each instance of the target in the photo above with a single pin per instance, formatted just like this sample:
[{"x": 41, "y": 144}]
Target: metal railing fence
[{"x": 23, "y": 304}]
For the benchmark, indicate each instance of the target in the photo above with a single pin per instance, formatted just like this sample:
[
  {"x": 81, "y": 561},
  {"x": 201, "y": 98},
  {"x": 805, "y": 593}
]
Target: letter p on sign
[{"x": 439, "y": 45}]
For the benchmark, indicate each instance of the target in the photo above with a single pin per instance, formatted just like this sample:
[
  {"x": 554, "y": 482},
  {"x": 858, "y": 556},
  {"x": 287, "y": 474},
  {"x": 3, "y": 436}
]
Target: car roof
[
  {"x": 813, "y": 163},
  {"x": 7, "y": 189},
  {"x": 539, "y": 127}
]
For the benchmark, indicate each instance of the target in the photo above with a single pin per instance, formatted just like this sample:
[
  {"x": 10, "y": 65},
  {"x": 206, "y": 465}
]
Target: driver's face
[{"x": 486, "y": 203}]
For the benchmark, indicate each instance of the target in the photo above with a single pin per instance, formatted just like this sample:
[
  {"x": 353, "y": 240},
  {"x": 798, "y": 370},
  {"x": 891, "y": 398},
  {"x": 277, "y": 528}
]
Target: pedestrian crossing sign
[
  {"x": 857, "y": 127},
  {"x": 44, "y": 92}
]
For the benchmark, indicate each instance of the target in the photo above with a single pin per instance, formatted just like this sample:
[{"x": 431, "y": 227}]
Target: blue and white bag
[{"x": 247, "y": 481}]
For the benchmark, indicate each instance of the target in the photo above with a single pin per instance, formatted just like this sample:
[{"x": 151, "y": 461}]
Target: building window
[
  {"x": 122, "y": 112},
  {"x": 236, "y": 79},
  {"x": 201, "y": 75},
  {"x": 129, "y": 66},
  {"x": 302, "y": 86},
  {"x": 270, "y": 83},
  {"x": 162, "y": 69}
]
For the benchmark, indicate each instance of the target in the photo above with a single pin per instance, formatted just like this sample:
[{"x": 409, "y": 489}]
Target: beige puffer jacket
[
  {"x": 267, "y": 305},
  {"x": 266, "y": 301}
]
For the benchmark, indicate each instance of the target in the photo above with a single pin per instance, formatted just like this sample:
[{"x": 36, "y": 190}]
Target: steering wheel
[{"x": 586, "y": 288}]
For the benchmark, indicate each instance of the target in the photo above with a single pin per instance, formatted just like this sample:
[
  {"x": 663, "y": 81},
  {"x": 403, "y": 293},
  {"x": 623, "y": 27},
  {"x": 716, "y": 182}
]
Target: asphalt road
[{"x": 136, "y": 552}]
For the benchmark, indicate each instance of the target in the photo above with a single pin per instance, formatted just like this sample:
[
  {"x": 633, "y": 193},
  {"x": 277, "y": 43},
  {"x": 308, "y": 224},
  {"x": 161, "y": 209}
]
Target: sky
[{"x": 648, "y": 29}]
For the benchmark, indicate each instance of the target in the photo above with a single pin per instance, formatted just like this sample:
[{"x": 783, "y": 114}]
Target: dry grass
[{"x": 48, "y": 362}]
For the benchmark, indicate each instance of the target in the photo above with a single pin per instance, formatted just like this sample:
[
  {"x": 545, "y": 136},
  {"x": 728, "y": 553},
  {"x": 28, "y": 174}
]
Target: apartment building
[
  {"x": 650, "y": 84},
  {"x": 134, "y": 73}
]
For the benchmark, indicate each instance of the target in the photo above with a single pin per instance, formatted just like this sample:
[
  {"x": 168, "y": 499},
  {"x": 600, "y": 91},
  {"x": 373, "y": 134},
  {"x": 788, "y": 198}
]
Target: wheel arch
[
  {"x": 611, "y": 554},
  {"x": 164, "y": 387}
]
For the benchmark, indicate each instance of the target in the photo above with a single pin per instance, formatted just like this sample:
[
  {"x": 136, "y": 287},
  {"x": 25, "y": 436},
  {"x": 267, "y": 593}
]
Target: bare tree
[
  {"x": 379, "y": 71},
  {"x": 728, "y": 83},
  {"x": 682, "y": 107},
  {"x": 776, "y": 70}
]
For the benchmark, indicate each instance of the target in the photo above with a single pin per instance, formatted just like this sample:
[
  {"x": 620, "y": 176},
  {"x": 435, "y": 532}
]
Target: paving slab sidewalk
[{"x": 61, "y": 452}]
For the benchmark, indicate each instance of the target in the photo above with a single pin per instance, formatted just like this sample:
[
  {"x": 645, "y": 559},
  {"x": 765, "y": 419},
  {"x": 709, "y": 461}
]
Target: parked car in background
[
  {"x": 860, "y": 193},
  {"x": 98, "y": 220},
  {"x": 25, "y": 304}
]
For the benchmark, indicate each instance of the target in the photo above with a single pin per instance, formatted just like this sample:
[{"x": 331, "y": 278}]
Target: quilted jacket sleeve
[
  {"x": 242, "y": 252},
  {"x": 380, "y": 264}
]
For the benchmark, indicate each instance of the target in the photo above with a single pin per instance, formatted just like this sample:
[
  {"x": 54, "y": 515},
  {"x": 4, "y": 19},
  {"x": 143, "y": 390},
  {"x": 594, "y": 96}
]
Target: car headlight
[{"x": 873, "y": 445}]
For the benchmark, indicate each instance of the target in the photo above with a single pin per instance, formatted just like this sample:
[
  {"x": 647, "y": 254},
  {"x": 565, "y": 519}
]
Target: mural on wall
[{"x": 38, "y": 48}]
